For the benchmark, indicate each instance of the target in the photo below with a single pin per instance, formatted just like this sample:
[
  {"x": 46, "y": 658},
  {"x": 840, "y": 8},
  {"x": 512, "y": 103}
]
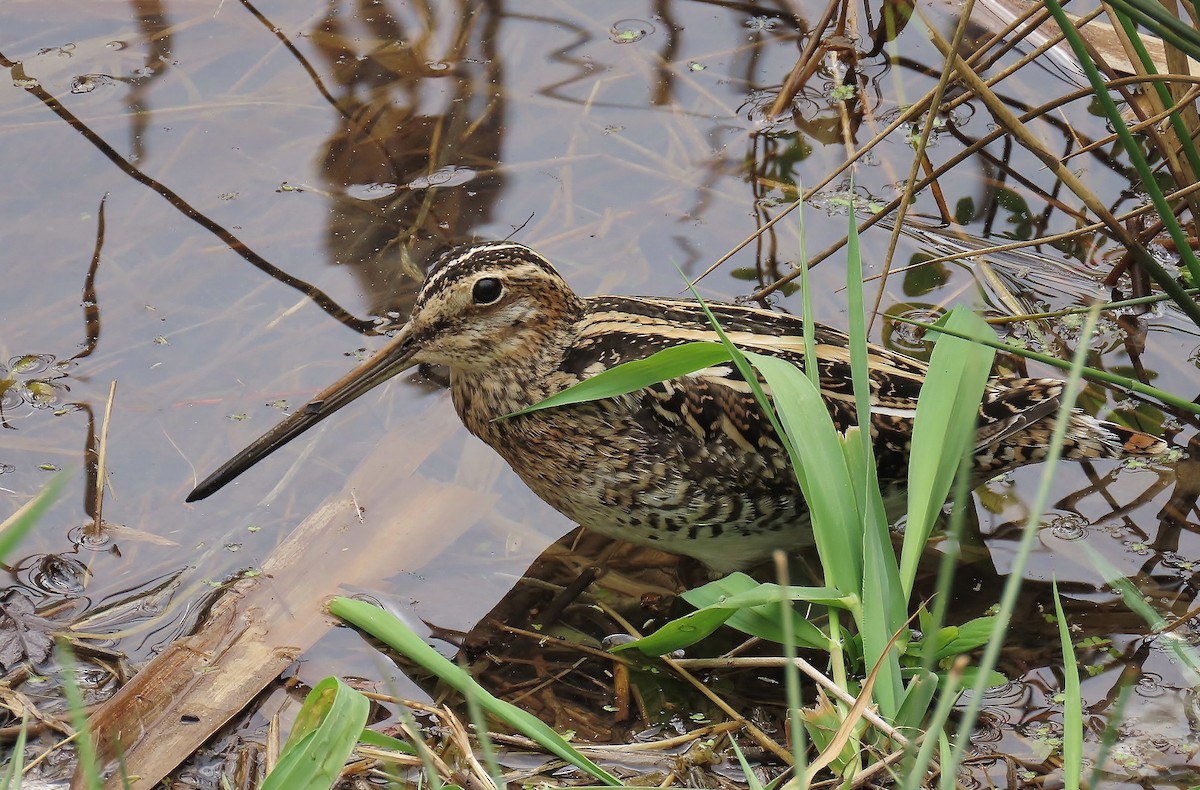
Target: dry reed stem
[
  {"x": 1013, "y": 125},
  {"x": 857, "y": 711},
  {"x": 806, "y": 63},
  {"x": 935, "y": 100},
  {"x": 760, "y": 737},
  {"x": 96, "y": 528},
  {"x": 952, "y": 162},
  {"x": 1040, "y": 240},
  {"x": 913, "y": 111},
  {"x": 808, "y": 669}
]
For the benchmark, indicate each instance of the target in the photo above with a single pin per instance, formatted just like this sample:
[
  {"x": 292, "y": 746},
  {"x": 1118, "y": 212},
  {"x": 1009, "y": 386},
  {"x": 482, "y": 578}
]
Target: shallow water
[{"x": 211, "y": 206}]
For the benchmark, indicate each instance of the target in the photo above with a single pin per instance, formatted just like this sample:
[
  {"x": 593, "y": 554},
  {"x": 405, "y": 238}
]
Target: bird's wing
[
  {"x": 1011, "y": 406},
  {"x": 716, "y": 405}
]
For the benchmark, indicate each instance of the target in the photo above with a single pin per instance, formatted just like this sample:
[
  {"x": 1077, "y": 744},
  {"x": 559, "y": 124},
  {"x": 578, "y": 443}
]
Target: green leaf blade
[
  {"x": 635, "y": 375},
  {"x": 1072, "y": 744},
  {"x": 826, "y": 481},
  {"x": 384, "y": 626},
  {"x": 325, "y": 732},
  {"x": 944, "y": 428}
]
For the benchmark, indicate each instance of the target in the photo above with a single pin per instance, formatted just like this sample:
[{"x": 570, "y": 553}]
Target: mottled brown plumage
[{"x": 689, "y": 465}]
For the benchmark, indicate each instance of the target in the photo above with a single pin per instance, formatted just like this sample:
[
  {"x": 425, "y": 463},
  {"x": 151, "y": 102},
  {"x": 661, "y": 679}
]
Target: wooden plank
[
  {"x": 1098, "y": 32},
  {"x": 263, "y": 624}
]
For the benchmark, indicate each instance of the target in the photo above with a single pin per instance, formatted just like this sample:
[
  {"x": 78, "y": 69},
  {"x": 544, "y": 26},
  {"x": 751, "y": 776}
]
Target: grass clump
[{"x": 894, "y": 669}]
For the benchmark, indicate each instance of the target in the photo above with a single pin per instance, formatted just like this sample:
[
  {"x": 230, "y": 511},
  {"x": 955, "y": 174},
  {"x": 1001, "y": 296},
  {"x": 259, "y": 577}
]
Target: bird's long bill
[{"x": 393, "y": 358}]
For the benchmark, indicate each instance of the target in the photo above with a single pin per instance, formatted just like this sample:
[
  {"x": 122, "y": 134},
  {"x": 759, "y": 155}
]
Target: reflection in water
[
  {"x": 233, "y": 242},
  {"x": 546, "y": 628},
  {"x": 675, "y": 155},
  {"x": 1180, "y": 514},
  {"x": 910, "y": 340},
  {"x": 416, "y": 91},
  {"x": 158, "y": 40},
  {"x": 91, "y": 302}
]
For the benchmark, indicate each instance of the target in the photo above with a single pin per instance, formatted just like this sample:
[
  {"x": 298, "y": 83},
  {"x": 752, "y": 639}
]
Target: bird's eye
[{"x": 486, "y": 290}]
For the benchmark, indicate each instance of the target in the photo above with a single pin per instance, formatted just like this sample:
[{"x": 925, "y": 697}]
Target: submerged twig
[{"x": 818, "y": 677}]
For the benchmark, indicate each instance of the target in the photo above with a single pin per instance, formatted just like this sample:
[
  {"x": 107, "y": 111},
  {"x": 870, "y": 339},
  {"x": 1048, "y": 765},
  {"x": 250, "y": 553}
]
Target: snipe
[{"x": 690, "y": 465}]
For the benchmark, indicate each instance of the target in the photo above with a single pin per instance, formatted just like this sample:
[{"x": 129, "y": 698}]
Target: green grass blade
[
  {"x": 878, "y": 595},
  {"x": 369, "y": 737},
  {"x": 484, "y": 736},
  {"x": 1120, "y": 304},
  {"x": 1186, "y": 143},
  {"x": 1112, "y": 732},
  {"x": 917, "y": 698},
  {"x": 24, "y": 520},
  {"x": 884, "y": 602},
  {"x": 387, "y": 628},
  {"x": 809, "y": 329},
  {"x": 1020, "y": 560},
  {"x": 791, "y": 676},
  {"x": 325, "y": 732},
  {"x": 681, "y": 632},
  {"x": 948, "y": 564},
  {"x": 948, "y": 691},
  {"x": 946, "y": 757},
  {"x": 1145, "y": 173},
  {"x": 739, "y": 590},
  {"x": 742, "y": 603},
  {"x": 632, "y": 376},
  {"x": 765, "y": 622},
  {"x": 860, "y": 370},
  {"x": 747, "y": 371},
  {"x": 1072, "y": 745},
  {"x": 862, "y": 457},
  {"x": 799, "y": 416},
  {"x": 751, "y": 778},
  {"x": 329, "y": 699},
  {"x": 762, "y": 622},
  {"x": 944, "y": 428},
  {"x": 883, "y": 609},
  {"x": 826, "y": 482},
  {"x": 1154, "y": 16},
  {"x": 85, "y": 748},
  {"x": 792, "y": 694},
  {"x": 1091, "y": 374},
  {"x": 1189, "y": 659},
  {"x": 16, "y": 762}
]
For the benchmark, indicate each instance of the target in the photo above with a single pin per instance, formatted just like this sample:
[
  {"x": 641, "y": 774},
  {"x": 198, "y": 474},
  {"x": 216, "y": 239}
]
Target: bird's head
[
  {"x": 481, "y": 305},
  {"x": 487, "y": 304}
]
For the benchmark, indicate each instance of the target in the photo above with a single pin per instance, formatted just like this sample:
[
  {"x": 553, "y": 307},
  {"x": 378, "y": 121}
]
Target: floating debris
[{"x": 629, "y": 31}]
